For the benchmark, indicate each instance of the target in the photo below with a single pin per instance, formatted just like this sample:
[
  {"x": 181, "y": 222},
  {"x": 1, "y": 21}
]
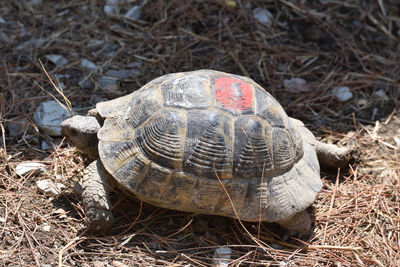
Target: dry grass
[{"x": 329, "y": 43}]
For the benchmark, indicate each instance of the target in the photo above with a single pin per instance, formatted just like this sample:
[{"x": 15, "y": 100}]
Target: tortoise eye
[{"x": 73, "y": 132}]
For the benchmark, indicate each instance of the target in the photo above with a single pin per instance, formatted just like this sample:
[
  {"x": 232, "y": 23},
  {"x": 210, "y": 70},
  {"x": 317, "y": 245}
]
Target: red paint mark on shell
[{"x": 233, "y": 94}]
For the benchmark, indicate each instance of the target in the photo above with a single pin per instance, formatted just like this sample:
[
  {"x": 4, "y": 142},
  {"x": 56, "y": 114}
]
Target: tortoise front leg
[{"x": 96, "y": 197}]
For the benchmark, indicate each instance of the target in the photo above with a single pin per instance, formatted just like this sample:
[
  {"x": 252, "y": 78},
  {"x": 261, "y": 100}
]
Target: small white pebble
[
  {"x": 98, "y": 264},
  {"x": 110, "y": 6},
  {"x": 2, "y": 20},
  {"x": 45, "y": 145},
  {"x": 362, "y": 102},
  {"x": 296, "y": 85},
  {"x": 35, "y": 2},
  {"x": 85, "y": 63},
  {"x": 58, "y": 60},
  {"x": 222, "y": 256},
  {"x": 133, "y": 13},
  {"x": 118, "y": 264},
  {"x": 263, "y": 16},
  {"x": 397, "y": 141},
  {"x": 26, "y": 167},
  {"x": 61, "y": 213},
  {"x": 381, "y": 94},
  {"x": 46, "y": 227},
  {"x": 342, "y": 93},
  {"x": 108, "y": 83},
  {"x": 48, "y": 187}
]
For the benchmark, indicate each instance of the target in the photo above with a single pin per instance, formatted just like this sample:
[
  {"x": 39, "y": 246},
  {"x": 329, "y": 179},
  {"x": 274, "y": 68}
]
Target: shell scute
[
  {"x": 269, "y": 109},
  {"x": 252, "y": 149},
  {"x": 208, "y": 148},
  {"x": 187, "y": 92},
  {"x": 282, "y": 150},
  {"x": 161, "y": 139}
]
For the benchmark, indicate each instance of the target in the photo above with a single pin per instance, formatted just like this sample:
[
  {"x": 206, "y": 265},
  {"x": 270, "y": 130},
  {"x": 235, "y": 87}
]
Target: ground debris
[
  {"x": 133, "y": 13},
  {"x": 86, "y": 63},
  {"x": 296, "y": 85},
  {"x": 222, "y": 256},
  {"x": 263, "y": 16},
  {"x": 342, "y": 93},
  {"x": 58, "y": 60},
  {"x": 49, "y": 115},
  {"x": 29, "y": 167},
  {"x": 326, "y": 43},
  {"x": 48, "y": 187}
]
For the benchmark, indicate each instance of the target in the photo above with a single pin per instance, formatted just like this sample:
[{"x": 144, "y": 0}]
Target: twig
[{"x": 73, "y": 242}]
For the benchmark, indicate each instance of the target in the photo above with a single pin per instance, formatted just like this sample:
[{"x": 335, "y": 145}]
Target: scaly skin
[{"x": 96, "y": 200}]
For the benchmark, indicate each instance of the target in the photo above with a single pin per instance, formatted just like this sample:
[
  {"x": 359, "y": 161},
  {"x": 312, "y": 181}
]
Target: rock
[
  {"x": 86, "y": 84},
  {"x": 45, "y": 145},
  {"x": 48, "y": 117},
  {"x": 110, "y": 6},
  {"x": 118, "y": 264},
  {"x": 362, "y": 102},
  {"x": 4, "y": 37},
  {"x": 17, "y": 127},
  {"x": 62, "y": 214},
  {"x": 231, "y": 3},
  {"x": 63, "y": 76},
  {"x": 263, "y": 16},
  {"x": 46, "y": 227},
  {"x": 222, "y": 256},
  {"x": 98, "y": 264},
  {"x": 296, "y": 85},
  {"x": 108, "y": 83},
  {"x": 48, "y": 187},
  {"x": 134, "y": 64},
  {"x": 87, "y": 64},
  {"x": 26, "y": 167},
  {"x": 342, "y": 93},
  {"x": 374, "y": 112},
  {"x": 121, "y": 74},
  {"x": 50, "y": 144},
  {"x": 382, "y": 94},
  {"x": 57, "y": 60},
  {"x": 109, "y": 49},
  {"x": 397, "y": 141},
  {"x": 133, "y": 13},
  {"x": 35, "y": 2},
  {"x": 2, "y": 21}
]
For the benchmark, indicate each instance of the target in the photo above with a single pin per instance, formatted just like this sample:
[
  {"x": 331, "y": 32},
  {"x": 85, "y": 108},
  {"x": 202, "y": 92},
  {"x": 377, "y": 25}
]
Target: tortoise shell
[{"x": 186, "y": 141}]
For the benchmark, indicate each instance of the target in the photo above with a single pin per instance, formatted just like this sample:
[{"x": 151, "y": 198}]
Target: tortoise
[{"x": 205, "y": 142}]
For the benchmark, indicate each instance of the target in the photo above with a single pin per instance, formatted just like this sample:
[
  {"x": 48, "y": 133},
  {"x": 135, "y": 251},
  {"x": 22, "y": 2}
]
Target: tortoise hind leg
[
  {"x": 300, "y": 223},
  {"x": 329, "y": 155},
  {"x": 95, "y": 195},
  {"x": 332, "y": 156}
]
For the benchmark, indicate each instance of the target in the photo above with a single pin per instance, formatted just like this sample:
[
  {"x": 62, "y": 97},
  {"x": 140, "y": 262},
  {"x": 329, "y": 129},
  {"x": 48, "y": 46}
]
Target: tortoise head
[{"x": 81, "y": 132}]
